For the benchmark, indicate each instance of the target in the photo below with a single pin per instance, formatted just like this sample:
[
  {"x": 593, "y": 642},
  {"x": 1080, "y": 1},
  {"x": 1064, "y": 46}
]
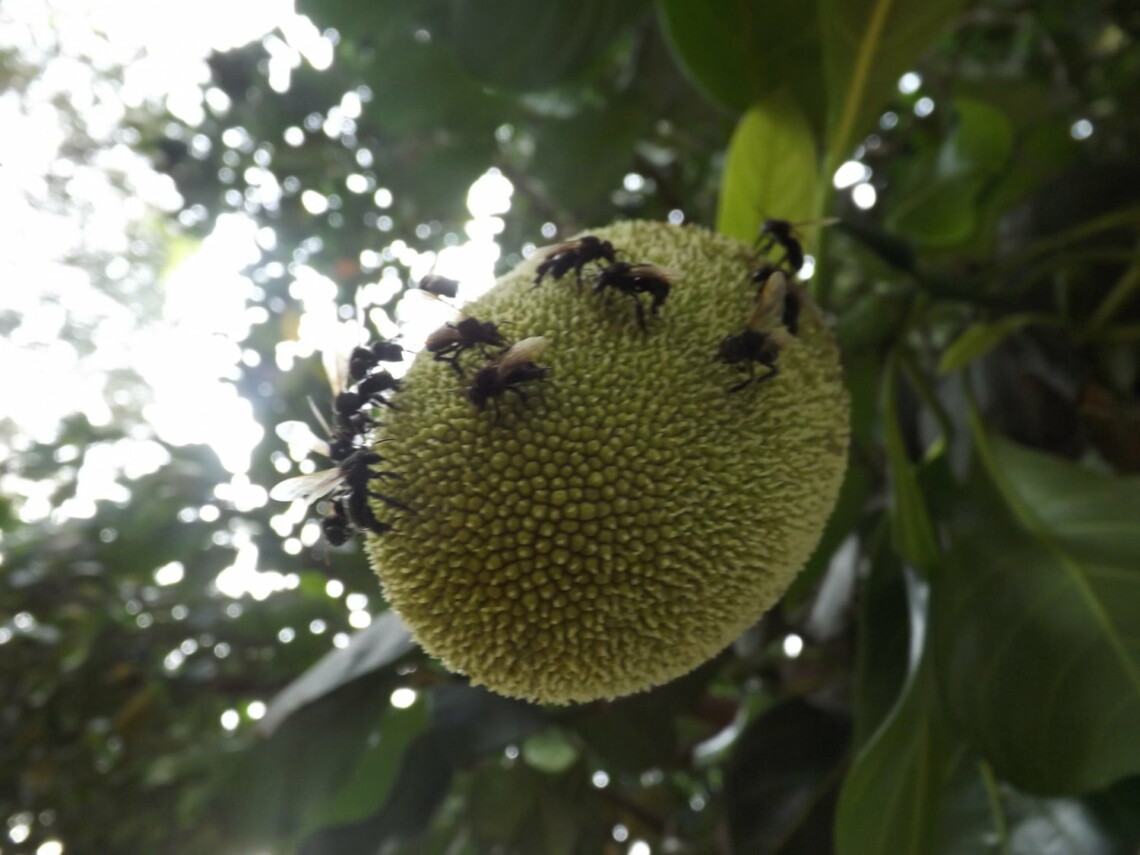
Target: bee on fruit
[
  {"x": 448, "y": 342},
  {"x": 634, "y": 280},
  {"x": 764, "y": 336},
  {"x": 508, "y": 372},
  {"x": 559, "y": 259}
]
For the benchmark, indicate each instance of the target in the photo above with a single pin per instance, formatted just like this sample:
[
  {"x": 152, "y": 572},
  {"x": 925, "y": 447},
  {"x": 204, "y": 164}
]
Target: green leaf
[
  {"x": 940, "y": 213},
  {"x": 981, "y": 337},
  {"x": 772, "y": 169},
  {"x": 370, "y": 783},
  {"x": 465, "y": 724},
  {"x": 740, "y": 51},
  {"x": 273, "y": 786},
  {"x": 781, "y": 781},
  {"x": 911, "y": 528},
  {"x": 867, "y": 46},
  {"x": 883, "y": 639},
  {"x": 982, "y": 816},
  {"x": 549, "y": 751},
  {"x": 1034, "y": 620},
  {"x": 384, "y": 641},
  {"x": 525, "y": 46},
  {"x": 891, "y": 797},
  {"x": 942, "y": 207},
  {"x": 640, "y": 732},
  {"x": 980, "y": 143}
]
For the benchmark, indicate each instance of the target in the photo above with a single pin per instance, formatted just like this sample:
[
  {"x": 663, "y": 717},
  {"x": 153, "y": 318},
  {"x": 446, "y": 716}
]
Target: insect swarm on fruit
[{"x": 625, "y": 524}]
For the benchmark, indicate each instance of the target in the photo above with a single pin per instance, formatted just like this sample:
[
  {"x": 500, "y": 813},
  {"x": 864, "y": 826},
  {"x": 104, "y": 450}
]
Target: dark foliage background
[{"x": 970, "y": 676}]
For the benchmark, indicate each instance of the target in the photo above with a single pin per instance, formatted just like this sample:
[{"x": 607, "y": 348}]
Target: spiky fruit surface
[{"x": 631, "y": 518}]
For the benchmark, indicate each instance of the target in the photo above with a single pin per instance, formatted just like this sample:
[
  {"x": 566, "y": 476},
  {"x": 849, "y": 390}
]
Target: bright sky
[{"x": 201, "y": 306}]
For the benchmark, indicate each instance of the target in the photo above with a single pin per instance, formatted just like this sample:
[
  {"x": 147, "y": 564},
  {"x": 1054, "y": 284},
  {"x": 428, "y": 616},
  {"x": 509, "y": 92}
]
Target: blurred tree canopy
[{"x": 957, "y": 670}]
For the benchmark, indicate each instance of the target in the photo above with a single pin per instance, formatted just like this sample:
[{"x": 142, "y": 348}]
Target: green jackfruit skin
[{"x": 632, "y": 517}]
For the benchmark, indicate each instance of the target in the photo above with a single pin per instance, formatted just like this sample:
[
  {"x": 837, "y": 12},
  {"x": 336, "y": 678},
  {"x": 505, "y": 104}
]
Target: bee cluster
[
  {"x": 774, "y": 321},
  {"x": 350, "y": 447},
  {"x": 512, "y": 366},
  {"x": 507, "y": 369},
  {"x": 623, "y": 277}
]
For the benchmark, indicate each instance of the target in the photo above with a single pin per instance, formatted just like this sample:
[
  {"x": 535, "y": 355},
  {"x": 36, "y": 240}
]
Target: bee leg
[
  {"x": 640, "y": 311},
  {"x": 389, "y": 501},
  {"x": 773, "y": 370},
  {"x": 744, "y": 384},
  {"x": 382, "y": 475},
  {"x": 378, "y": 526}
]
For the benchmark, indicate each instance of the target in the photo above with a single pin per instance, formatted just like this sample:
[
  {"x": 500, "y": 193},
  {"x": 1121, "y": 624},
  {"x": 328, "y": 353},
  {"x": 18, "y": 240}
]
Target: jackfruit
[{"x": 630, "y": 517}]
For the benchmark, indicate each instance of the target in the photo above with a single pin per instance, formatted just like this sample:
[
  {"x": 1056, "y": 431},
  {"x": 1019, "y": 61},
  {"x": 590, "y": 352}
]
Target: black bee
[
  {"x": 440, "y": 286},
  {"x": 346, "y": 440},
  {"x": 782, "y": 233},
  {"x": 635, "y": 279},
  {"x": 336, "y": 526},
  {"x": 450, "y": 340},
  {"x": 364, "y": 359},
  {"x": 514, "y": 367},
  {"x": 560, "y": 258},
  {"x": 764, "y": 336},
  {"x": 349, "y": 406},
  {"x": 350, "y": 484}
]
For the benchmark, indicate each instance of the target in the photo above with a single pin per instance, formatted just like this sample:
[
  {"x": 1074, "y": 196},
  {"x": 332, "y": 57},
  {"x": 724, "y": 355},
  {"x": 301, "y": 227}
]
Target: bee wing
[
  {"x": 545, "y": 252},
  {"x": 300, "y": 435},
  {"x": 307, "y": 488},
  {"x": 655, "y": 271},
  {"x": 441, "y": 336},
  {"x": 769, "y": 311},
  {"x": 337, "y": 351},
  {"x": 526, "y": 350}
]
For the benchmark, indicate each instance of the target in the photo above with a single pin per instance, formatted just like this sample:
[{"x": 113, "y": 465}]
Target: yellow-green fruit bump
[{"x": 632, "y": 517}]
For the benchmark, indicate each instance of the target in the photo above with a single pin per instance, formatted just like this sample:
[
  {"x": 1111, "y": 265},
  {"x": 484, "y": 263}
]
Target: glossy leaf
[
  {"x": 384, "y": 641},
  {"x": 942, "y": 208},
  {"x": 941, "y": 213},
  {"x": 740, "y": 51},
  {"x": 911, "y": 528},
  {"x": 980, "y": 815},
  {"x": 371, "y": 780},
  {"x": 421, "y": 784},
  {"x": 892, "y": 794},
  {"x": 883, "y": 640},
  {"x": 465, "y": 725},
  {"x": 772, "y": 169},
  {"x": 781, "y": 782},
  {"x": 1034, "y": 621},
  {"x": 867, "y": 46},
  {"x": 280, "y": 781}
]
